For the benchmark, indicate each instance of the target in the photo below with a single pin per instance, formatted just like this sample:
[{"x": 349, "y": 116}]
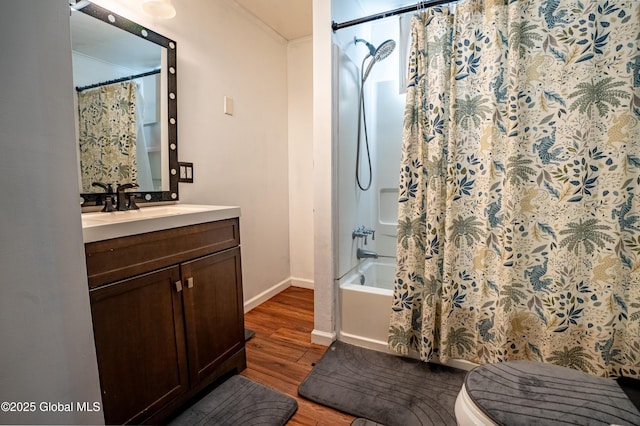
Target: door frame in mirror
[{"x": 104, "y": 15}]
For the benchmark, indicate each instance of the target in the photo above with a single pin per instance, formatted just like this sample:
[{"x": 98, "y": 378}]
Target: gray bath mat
[
  {"x": 248, "y": 334},
  {"x": 386, "y": 389},
  {"x": 239, "y": 401},
  {"x": 364, "y": 422},
  {"x": 526, "y": 392}
]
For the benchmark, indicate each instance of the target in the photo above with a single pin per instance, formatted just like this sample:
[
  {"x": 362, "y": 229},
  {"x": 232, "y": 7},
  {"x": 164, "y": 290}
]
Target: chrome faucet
[
  {"x": 363, "y": 232},
  {"x": 366, "y": 254}
]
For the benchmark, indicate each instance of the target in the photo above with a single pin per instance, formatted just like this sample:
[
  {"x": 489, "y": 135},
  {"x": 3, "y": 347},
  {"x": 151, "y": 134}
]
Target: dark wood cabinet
[
  {"x": 214, "y": 320},
  {"x": 139, "y": 329},
  {"x": 173, "y": 328}
]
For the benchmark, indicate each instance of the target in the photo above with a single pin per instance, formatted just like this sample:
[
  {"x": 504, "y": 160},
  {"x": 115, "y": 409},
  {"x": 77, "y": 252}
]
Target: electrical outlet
[{"x": 186, "y": 172}]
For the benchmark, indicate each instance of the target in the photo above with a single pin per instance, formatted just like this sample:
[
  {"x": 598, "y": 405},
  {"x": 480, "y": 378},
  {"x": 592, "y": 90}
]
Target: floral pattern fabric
[
  {"x": 107, "y": 135},
  {"x": 519, "y": 196}
]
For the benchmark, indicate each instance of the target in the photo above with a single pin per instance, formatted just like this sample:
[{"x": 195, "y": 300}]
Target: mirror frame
[{"x": 104, "y": 15}]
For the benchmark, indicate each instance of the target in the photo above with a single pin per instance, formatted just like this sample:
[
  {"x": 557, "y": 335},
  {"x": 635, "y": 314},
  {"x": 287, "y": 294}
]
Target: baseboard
[
  {"x": 266, "y": 295},
  {"x": 302, "y": 283},
  {"x": 270, "y": 292},
  {"x": 380, "y": 346},
  {"x": 364, "y": 342},
  {"x": 322, "y": 337}
]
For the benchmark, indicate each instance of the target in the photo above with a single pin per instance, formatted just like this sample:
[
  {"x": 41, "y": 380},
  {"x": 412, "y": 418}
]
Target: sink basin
[
  {"x": 104, "y": 226},
  {"x": 143, "y": 213}
]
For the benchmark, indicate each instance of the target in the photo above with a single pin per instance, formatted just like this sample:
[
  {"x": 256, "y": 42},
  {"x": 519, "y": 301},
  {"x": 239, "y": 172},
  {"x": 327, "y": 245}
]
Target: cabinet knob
[
  {"x": 178, "y": 286},
  {"x": 189, "y": 282}
]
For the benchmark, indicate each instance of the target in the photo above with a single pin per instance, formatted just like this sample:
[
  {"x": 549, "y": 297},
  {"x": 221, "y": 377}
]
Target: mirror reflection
[{"x": 125, "y": 131}]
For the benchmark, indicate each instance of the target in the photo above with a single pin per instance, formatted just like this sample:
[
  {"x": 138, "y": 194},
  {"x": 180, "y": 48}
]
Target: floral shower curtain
[
  {"x": 107, "y": 123},
  {"x": 519, "y": 204}
]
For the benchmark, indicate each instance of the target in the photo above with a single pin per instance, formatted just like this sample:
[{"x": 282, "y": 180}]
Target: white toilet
[
  {"x": 526, "y": 392},
  {"x": 467, "y": 413}
]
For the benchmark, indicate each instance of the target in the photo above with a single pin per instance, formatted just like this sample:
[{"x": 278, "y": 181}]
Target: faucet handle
[
  {"x": 120, "y": 202},
  {"x": 108, "y": 204},
  {"x": 363, "y": 232},
  {"x": 131, "y": 205}
]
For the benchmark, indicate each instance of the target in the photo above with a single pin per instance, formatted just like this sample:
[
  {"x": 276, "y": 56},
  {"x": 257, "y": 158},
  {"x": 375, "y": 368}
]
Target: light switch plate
[
  {"x": 186, "y": 172},
  {"x": 228, "y": 105}
]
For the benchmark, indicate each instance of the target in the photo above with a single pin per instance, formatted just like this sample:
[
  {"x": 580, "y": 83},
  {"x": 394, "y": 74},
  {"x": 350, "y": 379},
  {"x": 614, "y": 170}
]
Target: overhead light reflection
[{"x": 162, "y": 9}]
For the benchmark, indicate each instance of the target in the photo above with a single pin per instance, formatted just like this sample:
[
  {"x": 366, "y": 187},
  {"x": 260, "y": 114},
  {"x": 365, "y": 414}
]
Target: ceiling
[{"x": 292, "y": 19}]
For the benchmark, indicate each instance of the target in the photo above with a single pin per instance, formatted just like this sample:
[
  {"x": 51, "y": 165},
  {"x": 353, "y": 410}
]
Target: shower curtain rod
[
  {"x": 118, "y": 80},
  {"x": 420, "y": 5}
]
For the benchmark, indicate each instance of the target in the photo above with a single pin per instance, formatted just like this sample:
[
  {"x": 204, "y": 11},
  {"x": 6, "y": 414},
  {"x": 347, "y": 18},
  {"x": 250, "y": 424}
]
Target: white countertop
[{"x": 104, "y": 226}]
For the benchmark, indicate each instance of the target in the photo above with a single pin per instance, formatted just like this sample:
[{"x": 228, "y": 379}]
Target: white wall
[
  {"x": 325, "y": 139},
  {"x": 384, "y": 107},
  {"x": 241, "y": 159},
  {"x": 45, "y": 325},
  {"x": 338, "y": 204},
  {"x": 354, "y": 207},
  {"x": 300, "y": 121},
  {"x": 47, "y": 350},
  {"x": 323, "y": 178},
  {"x": 386, "y": 111}
]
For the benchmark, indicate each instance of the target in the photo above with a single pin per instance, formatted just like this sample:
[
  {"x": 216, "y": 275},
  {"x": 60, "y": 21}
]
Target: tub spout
[{"x": 366, "y": 254}]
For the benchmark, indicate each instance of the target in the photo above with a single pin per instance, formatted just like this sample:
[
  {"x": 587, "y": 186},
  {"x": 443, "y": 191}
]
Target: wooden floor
[{"x": 281, "y": 353}]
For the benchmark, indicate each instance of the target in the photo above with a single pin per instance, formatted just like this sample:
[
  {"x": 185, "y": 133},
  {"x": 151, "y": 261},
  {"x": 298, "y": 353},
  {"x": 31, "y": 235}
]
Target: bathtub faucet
[
  {"x": 363, "y": 232},
  {"x": 366, "y": 254}
]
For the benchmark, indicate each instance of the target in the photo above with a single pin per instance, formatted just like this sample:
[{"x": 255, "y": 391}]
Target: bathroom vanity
[
  {"x": 165, "y": 287},
  {"x": 165, "y": 282}
]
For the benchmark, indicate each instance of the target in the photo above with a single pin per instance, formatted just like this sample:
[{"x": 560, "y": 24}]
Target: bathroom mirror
[{"x": 125, "y": 92}]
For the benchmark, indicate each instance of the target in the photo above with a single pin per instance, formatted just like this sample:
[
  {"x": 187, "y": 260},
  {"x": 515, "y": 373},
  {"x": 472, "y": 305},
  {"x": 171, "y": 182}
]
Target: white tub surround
[
  {"x": 366, "y": 295},
  {"x": 103, "y": 226},
  {"x": 366, "y": 298}
]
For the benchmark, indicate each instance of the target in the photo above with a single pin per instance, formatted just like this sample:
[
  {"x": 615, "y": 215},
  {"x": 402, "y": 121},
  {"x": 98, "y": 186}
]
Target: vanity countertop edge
[{"x": 99, "y": 226}]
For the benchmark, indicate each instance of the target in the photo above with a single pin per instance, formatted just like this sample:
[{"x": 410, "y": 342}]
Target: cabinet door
[
  {"x": 139, "y": 335},
  {"x": 213, "y": 310}
]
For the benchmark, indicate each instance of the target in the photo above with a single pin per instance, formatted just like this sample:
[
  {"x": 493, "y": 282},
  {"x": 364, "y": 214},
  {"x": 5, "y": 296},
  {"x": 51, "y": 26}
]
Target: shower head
[
  {"x": 381, "y": 52},
  {"x": 384, "y": 50}
]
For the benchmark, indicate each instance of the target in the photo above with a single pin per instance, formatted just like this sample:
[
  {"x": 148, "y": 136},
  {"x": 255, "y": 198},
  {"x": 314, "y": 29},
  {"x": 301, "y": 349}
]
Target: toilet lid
[{"x": 530, "y": 393}]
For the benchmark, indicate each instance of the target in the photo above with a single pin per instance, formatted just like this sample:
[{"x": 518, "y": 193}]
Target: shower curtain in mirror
[
  {"x": 107, "y": 135},
  {"x": 519, "y": 202}
]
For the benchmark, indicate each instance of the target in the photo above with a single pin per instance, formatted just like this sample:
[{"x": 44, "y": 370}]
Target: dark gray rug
[
  {"x": 239, "y": 401},
  {"x": 526, "y": 392},
  {"x": 632, "y": 388},
  {"x": 386, "y": 389},
  {"x": 364, "y": 422},
  {"x": 248, "y": 334}
]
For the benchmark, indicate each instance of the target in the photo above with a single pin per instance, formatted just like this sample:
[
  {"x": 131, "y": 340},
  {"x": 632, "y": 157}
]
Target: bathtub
[{"x": 365, "y": 299}]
